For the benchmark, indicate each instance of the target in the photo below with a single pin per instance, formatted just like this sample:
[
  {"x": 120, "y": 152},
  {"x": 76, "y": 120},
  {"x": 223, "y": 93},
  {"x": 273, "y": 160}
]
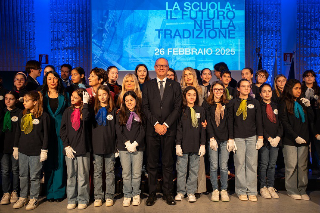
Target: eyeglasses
[
  {"x": 161, "y": 66},
  {"x": 218, "y": 90},
  {"x": 19, "y": 79},
  {"x": 261, "y": 76}
]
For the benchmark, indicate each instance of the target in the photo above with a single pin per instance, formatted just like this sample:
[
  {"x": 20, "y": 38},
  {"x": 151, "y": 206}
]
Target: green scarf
[
  {"x": 228, "y": 94},
  {"x": 7, "y": 122},
  {"x": 194, "y": 118},
  {"x": 26, "y": 123},
  {"x": 242, "y": 109}
]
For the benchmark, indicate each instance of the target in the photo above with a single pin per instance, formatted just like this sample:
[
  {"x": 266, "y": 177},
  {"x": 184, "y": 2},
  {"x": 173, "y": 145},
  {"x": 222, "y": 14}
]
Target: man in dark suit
[
  {"x": 33, "y": 68},
  {"x": 161, "y": 99}
]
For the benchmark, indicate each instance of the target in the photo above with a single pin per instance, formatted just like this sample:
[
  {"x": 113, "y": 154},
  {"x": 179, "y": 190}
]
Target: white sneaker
[
  {"x": 14, "y": 197},
  {"x": 20, "y": 203},
  {"x": 192, "y": 198},
  {"x": 296, "y": 197},
  {"x": 179, "y": 197},
  {"x": 273, "y": 192},
  {"x": 136, "y": 200},
  {"x": 97, "y": 203},
  {"x": 126, "y": 201},
  {"x": 71, "y": 206},
  {"x": 264, "y": 192},
  {"x": 33, "y": 203},
  {"x": 215, "y": 196},
  {"x": 82, "y": 206},
  {"x": 305, "y": 197},
  {"x": 109, "y": 202},
  {"x": 5, "y": 199},
  {"x": 224, "y": 196}
]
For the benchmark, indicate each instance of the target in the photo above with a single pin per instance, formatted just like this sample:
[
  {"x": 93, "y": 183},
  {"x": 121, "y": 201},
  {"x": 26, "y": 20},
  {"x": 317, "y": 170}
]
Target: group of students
[{"x": 63, "y": 124}]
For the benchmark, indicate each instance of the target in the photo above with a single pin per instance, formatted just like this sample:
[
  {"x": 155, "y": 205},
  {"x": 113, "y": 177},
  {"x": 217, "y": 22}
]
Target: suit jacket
[
  {"x": 31, "y": 84},
  {"x": 166, "y": 110}
]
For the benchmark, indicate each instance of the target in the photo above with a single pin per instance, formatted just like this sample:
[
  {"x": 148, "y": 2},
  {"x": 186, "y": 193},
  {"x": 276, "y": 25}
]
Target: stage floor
[{"x": 284, "y": 204}]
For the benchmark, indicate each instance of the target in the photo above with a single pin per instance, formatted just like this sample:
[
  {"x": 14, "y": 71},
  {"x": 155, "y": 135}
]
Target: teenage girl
[
  {"x": 272, "y": 133},
  {"x": 190, "y": 144},
  {"x": 103, "y": 144},
  {"x": 245, "y": 130},
  {"x": 8, "y": 163},
  {"x": 217, "y": 129},
  {"x": 31, "y": 147},
  {"x": 295, "y": 114},
  {"x": 75, "y": 136},
  {"x": 130, "y": 143}
]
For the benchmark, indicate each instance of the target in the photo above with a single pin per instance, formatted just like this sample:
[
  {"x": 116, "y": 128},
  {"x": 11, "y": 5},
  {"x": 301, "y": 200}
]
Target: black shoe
[
  {"x": 50, "y": 200},
  {"x": 59, "y": 200},
  {"x": 151, "y": 199},
  {"x": 169, "y": 199},
  {"x": 198, "y": 195}
]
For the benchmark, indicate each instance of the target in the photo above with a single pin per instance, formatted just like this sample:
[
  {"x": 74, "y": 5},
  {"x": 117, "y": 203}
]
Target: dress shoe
[
  {"x": 151, "y": 199},
  {"x": 169, "y": 199}
]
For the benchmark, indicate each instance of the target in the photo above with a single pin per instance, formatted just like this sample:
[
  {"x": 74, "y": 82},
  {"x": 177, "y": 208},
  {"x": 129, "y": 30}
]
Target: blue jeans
[
  {"x": 131, "y": 172},
  {"x": 296, "y": 170},
  {"x": 267, "y": 165},
  {"x": 78, "y": 179},
  {"x": 8, "y": 165},
  {"x": 109, "y": 162},
  {"x": 246, "y": 163},
  {"x": 183, "y": 185},
  {"x": 219, "y": 158},
  {"x": 29, "y": 166}
]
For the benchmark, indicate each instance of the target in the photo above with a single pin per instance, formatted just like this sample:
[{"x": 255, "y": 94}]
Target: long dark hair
[
  {"x": 223, "y": 98},
  {"x": 287, "y": 95},
  {"x": 136, "y": 72},
  {"x": 184, "y": 99},
  {"x": 81, "y": 71},
  {"x": 60, "y": 87},
  {"x": 97, "y": 104},
  {"x": 123, "y": 115},
  {"x": 315, "y": 86},
  {"x": 80, "y": 93}
]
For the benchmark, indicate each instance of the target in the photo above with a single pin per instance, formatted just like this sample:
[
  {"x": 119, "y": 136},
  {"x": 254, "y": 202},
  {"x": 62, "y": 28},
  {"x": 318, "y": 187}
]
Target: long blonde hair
[
  {"x": 278, "y": 92},
  {"x": 136, "y": 88},
  {"x": 195, "y": 81}
]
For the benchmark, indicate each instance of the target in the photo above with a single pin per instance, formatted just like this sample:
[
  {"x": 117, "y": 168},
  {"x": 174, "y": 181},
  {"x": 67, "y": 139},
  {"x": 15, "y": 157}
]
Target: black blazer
[
  {"x": 293, "y": 127},
  {"x": 31, "y": 84},
  {"x": 166, "y": 110}
]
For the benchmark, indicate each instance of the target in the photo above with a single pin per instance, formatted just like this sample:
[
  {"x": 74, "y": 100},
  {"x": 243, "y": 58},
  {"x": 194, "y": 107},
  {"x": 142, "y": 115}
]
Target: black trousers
[{"x": 167, "y": 145}]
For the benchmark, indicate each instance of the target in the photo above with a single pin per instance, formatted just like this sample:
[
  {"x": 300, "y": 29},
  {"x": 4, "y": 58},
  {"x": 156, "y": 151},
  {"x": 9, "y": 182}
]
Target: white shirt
[
  {"x": 164, "y": 82},
  {"x": 164, "y": 85}
]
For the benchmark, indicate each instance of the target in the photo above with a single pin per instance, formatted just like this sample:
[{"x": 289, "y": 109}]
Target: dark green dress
[{"x": 55, "y": 171}]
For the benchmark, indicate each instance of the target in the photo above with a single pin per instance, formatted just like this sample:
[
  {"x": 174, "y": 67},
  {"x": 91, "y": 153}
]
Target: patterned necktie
[
  {"x": 270, "y": 114},
  {"x": 161, "y": 89},
  {"x": 219, "y": 113},
  {"x": 194, "y": 119},
  {"x": 242, "y": 109}
]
